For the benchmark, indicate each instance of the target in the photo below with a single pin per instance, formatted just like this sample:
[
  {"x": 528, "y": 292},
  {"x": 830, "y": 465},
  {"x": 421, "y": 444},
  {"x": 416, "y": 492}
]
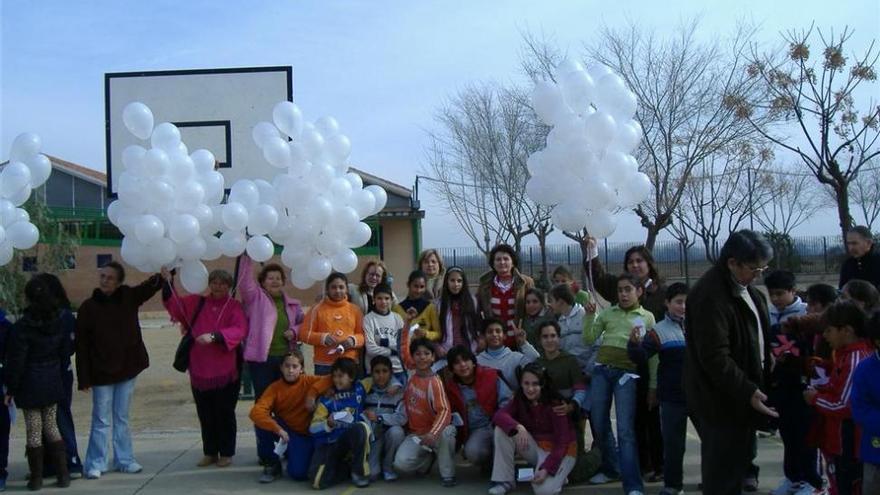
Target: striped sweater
[{"x": 426, "y": 406}]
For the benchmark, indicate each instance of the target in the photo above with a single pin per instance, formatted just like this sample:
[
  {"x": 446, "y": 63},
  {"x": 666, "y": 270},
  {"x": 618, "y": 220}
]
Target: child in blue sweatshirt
[
  {"x": 384, "y": 409},
  {"x": 666, "y": 339},
  {"x": 865, "y": 401},
  {"x": 342, "y": 437}
]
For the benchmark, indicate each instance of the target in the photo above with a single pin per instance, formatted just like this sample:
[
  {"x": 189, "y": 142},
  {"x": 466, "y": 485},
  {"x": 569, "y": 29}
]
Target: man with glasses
[
  {"x": 727, "y": 354},
  {"x": 864, "y": 261}
]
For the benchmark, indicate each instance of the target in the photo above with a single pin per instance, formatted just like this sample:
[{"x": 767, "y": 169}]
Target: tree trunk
[
  {"x": 842, "y": 196},
  {"x": 544, "y": 280},
  {"x": 652, "y": 237}
]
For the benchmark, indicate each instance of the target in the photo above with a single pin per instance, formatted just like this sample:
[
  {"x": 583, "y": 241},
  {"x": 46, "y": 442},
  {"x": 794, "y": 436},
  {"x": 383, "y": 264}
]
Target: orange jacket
[
  {"x": 338, "y": 319},
  {"x": 288, "y": 402}
]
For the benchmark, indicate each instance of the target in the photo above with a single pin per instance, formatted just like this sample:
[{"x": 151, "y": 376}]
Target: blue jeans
[
  {"x": 673, "y": 421},
  {"x": 110, "y": 403},
  {"x": 262, "y": 375},
  {"x": 606, "y": 386},
  {"x": 299, "y": 452}
]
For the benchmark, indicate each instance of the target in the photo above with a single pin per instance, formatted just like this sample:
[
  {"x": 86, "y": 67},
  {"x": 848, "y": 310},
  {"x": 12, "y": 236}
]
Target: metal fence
[{"x": 808, "y": 255}]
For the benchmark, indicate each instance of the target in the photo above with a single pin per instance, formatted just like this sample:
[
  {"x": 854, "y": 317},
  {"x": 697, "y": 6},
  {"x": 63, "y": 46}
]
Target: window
[
  {"x": 29, "y": 263},
  {"x": 103, "y": 259}
]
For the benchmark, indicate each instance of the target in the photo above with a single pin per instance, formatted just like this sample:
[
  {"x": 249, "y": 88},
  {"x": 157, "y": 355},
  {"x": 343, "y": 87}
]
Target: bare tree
[
  {"x": 680, "y": 82},
  {"x": 795, "y": 197},
  {"x": 866, "y": 194},
  {"x": 478, "y": 163},
  {"x": 817, "y": 94},
  {"x": 723, "y": 192}
]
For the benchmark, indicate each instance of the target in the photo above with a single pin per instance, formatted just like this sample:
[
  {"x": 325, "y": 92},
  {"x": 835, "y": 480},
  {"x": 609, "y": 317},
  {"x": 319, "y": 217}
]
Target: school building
[{"x": 77, "y": 195}]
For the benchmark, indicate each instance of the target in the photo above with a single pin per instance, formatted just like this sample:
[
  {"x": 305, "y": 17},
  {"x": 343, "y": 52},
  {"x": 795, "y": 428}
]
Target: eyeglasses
[{"x": 758, "y": 271}]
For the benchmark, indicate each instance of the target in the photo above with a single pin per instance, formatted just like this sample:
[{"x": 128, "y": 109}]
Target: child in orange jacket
[{"x": 334, "y": 326}]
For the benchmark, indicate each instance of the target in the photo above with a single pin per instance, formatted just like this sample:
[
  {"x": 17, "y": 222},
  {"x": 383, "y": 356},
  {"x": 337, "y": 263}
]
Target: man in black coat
[
  {"x": 727, "y": 355},
  {"x": 864, "y": 260}
]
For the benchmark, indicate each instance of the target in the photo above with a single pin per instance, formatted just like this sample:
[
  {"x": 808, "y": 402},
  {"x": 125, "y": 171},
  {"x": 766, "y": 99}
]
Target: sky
[{"x": 382, "y": 68}]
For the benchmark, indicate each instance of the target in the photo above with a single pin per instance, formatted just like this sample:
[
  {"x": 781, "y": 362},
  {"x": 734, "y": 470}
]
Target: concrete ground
[{"x": 168, "y": 445}]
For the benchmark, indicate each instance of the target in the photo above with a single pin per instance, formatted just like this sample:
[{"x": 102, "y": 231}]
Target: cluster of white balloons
[
  {"x": 320, "y": 204},
  {"x": 168, "y": 200},
  {"x": 171, "y": 214},
  {"x": 587, "y": 170},
  {"x": 26, "y": 170}
]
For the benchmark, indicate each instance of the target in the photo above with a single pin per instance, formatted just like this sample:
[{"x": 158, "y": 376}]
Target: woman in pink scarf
[{"x": 218, "y": 326}]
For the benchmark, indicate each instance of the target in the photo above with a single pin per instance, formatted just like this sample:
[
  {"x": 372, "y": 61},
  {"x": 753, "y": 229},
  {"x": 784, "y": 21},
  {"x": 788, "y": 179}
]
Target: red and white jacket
[{"x": 833, "y": 399}]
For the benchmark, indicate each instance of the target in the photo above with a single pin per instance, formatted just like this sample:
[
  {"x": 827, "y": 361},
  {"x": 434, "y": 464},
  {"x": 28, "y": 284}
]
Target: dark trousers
[
  {"x": 4, "y": 441},
  {"x": 845, "y": 470},
  {"x": 795, "y": 416},
  {"x": 673, "y": 420},
  {"x": 299, "y": 453},
  {"x": 648, "y": 435},
  {"x": 332, "y": 462},
  {"x": 725, "y": 453},
  {"x": 65, "y": 426},
  {"x": 216, "y": 410},
  {"x": 262, "y": 375}
]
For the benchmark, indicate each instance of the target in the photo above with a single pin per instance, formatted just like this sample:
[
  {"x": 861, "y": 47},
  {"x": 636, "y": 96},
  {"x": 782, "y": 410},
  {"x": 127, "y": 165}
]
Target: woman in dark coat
[
  {"x": 34, "y": 358},
  {"x": 65, "y": 414},
  {"x": 727, "y": 356},
  {"x": 639, "y": 261}
]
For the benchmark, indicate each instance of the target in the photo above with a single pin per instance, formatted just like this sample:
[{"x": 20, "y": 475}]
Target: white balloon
[
  {"x": 2, "y": 234},
  {"x": 277, "y": 152},
  {"x": 614, "y": 97},
  {"x": 189, "y": 196},
  {"x": 627, "y": 138},
  {"x": 133, "y": 159},
  {"x": 262, "y": 219},
  {"x": 598, "y": 71},
  {"x": 245, "y": 191},
  {"x": 299, "y": 160},
  {"x": 313, "y": 143},
  {"x": 41, "y": 168},
  {"x": 339, "y": 147},
  {"x": 6, "y": 252},
  {"x": 577, "y": 89},
  {"x": 193, "y": 249},
  {"x": 600, "y": 223},
  {"x": 601, "y": 128},
  {"x": 260, "y": 248},
  {"x": 597, "y": 194},
  {"x": 635, "y": 190},
  {"x": 181, "y": 167},
  {"x": 138, "y": 119},
  {"x": 379, "y": 195},
  {"x": 160, "y": 195},
  {"x": 205, "y": 215},
  {"x": 321, "y": 175},
  {"x": 149, "y": 229},
  {"x": 25, "y": 146},
  {"x": 262, "y": 132},
  {"x": 288, "y": 118},
  {"x": 268, "y": 195},
  {"x": 203, "y": 160},
  {"x": 340, "y": 189},
  {"x": 235, "y": 216},
  {"x": 327, "y": 126},
  {"x": 166, "y": 136},
  {"x": 232, "y": 243},
  {"x": 356, "y": 181},
  {"x": 567, "y": 66},
  {"x": 328, "y": 244},
  {"x": 320, "y": 210},
  {"x": 133, "y": 252},
  {"x": 19, "y": 215},
  {"x": 214, "y": 185},
  {"x": 156, "y": 162},
  {"x": 21, "y": 197},
  {"x": 301, "y": 279},
  {"x": 14, "y": 177},
  {"x": 213, "y": 249},
  {"x": 568, "y": 217},
  {"x": 22, "y": 235},
  {"x": 194, "y": 276},
  {"x": 363, "y": 202},
  {"x": 319, "y": 268},
  {"x": 548, "y": 102},
  {"x": 7, "y": 210},
  {"x": 359, "y": 236},
  {"x": 344, "y": 261},
  {"x": 183, "y": 228}
]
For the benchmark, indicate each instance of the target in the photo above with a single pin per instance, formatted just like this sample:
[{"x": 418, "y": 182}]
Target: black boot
[
  {"x": 58, "y": 451},
  {"x": 35, "y": 464}
]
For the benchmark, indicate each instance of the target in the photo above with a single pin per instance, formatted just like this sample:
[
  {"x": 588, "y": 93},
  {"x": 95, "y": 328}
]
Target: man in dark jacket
[
  {"x": 864, "y": 260},
  {"x": 727, "y": 356}
]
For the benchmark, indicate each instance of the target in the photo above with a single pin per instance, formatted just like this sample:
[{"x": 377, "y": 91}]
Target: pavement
[{"x": 167, "y": 443}]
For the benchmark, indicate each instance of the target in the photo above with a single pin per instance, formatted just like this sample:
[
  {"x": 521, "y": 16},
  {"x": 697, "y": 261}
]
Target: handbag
[{"x": 181, "y": 355}]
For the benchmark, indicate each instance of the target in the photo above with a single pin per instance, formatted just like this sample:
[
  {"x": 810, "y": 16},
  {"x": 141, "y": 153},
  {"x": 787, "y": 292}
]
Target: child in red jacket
[{"x": 836, "y": 433}]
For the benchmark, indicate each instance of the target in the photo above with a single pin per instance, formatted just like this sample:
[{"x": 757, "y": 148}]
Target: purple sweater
[{"x": 553, "y": 433}]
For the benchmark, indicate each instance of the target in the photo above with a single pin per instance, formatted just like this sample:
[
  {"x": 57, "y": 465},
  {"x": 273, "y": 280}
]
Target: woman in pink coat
[
  {"x": 218, "y": 326},
  {"x": 274, "y": 319}
]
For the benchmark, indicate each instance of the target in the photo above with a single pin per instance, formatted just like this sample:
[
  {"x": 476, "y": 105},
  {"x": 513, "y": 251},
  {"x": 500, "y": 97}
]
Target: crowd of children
[{"x": 401, "y": 385}]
